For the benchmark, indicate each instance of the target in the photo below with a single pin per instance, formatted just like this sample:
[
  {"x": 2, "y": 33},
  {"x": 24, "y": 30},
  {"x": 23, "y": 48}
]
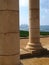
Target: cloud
[
  {"x": 44, "y": 11},
  {"x": 44, "y": 3},
  {"x": 23, "y": 3}
]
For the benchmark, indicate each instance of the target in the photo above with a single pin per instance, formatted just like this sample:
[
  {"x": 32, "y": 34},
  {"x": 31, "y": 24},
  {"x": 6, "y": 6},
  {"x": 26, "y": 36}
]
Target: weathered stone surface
[
  {"x": 34, "y": 30},
  {"x": 34, "y": 4},
  {"x": 10, "y": 60},
  {"x": 9, "y": 43},
  {"x": 9, "y": 5},
  {"x": 9, "y": 32},
  {"x": 9, "y": 21},
  {"x": 34, "y": 18},
  {"x": 34, "y": 40}
]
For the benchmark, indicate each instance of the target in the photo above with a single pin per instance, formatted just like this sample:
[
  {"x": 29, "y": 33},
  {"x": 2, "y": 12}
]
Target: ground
[{"x": 43, "y": 60}]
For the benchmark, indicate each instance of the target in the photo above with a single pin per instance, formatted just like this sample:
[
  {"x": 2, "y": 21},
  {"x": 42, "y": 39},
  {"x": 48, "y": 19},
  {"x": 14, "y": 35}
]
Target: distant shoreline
[{"x": 43, "y": 28}]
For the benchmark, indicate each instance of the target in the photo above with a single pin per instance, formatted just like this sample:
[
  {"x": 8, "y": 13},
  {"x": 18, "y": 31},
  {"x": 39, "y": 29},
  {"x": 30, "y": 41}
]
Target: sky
[{"x": 24, "y": 10}]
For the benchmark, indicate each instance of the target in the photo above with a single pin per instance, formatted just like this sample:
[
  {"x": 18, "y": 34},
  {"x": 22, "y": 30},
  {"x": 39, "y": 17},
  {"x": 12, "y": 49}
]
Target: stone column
[
  {"x": 9, "y": 32},
  {"x": 34, "y": 27}
]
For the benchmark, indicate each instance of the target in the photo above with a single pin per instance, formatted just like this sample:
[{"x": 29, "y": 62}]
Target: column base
[{"x": 35, "y": 49}]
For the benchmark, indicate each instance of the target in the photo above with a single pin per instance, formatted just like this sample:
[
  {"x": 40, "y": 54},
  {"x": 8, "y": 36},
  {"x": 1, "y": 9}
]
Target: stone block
[
  {"x": 34, "y": 13},
  {"x": 34, "y": 4},
  {"x": 34, "y": 19},
  {"x": 9, "y": 43},
  {"x": 9, "y": 4},
  {"x": 13, "y": 4},
  {"x": 9, "y": 21},
  {"x": 34, "y": 32},
  {"x": 10, "y": 60},
  {"x": 34, "y": 40},
  {"x": 34, "y": 24}
]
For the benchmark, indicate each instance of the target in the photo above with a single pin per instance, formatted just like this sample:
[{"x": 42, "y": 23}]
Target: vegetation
[
  {"x": 26, "y": 33},
  {"x": 44, "y": 33}
]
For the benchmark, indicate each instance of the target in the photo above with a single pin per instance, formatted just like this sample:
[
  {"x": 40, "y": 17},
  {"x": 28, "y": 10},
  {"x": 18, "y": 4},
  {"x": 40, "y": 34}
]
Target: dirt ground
[
  {"x": 44, "y": 41},
  {"x": 36, "y": 60}
]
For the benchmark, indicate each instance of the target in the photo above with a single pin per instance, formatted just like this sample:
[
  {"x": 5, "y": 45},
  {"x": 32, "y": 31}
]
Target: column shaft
[
  {"x": 34, "y": 26},
  {"x": 9, "y": 32}
]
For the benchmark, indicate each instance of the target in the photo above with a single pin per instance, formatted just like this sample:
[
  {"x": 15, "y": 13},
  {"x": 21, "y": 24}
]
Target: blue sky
[{"x": 44, "y": 12}]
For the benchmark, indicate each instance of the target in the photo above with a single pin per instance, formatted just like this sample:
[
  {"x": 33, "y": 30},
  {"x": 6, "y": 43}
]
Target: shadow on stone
[{"x": 39, "y": 54}]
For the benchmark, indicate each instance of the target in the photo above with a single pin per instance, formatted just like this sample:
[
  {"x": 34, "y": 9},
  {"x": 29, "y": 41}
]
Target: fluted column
[
  {"x": 9, "y": 32},
  {"x": 34, "y": 27}
]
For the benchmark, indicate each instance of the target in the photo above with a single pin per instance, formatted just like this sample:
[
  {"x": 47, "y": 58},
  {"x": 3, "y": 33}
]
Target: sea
[{"x": 43, "y": 28}]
